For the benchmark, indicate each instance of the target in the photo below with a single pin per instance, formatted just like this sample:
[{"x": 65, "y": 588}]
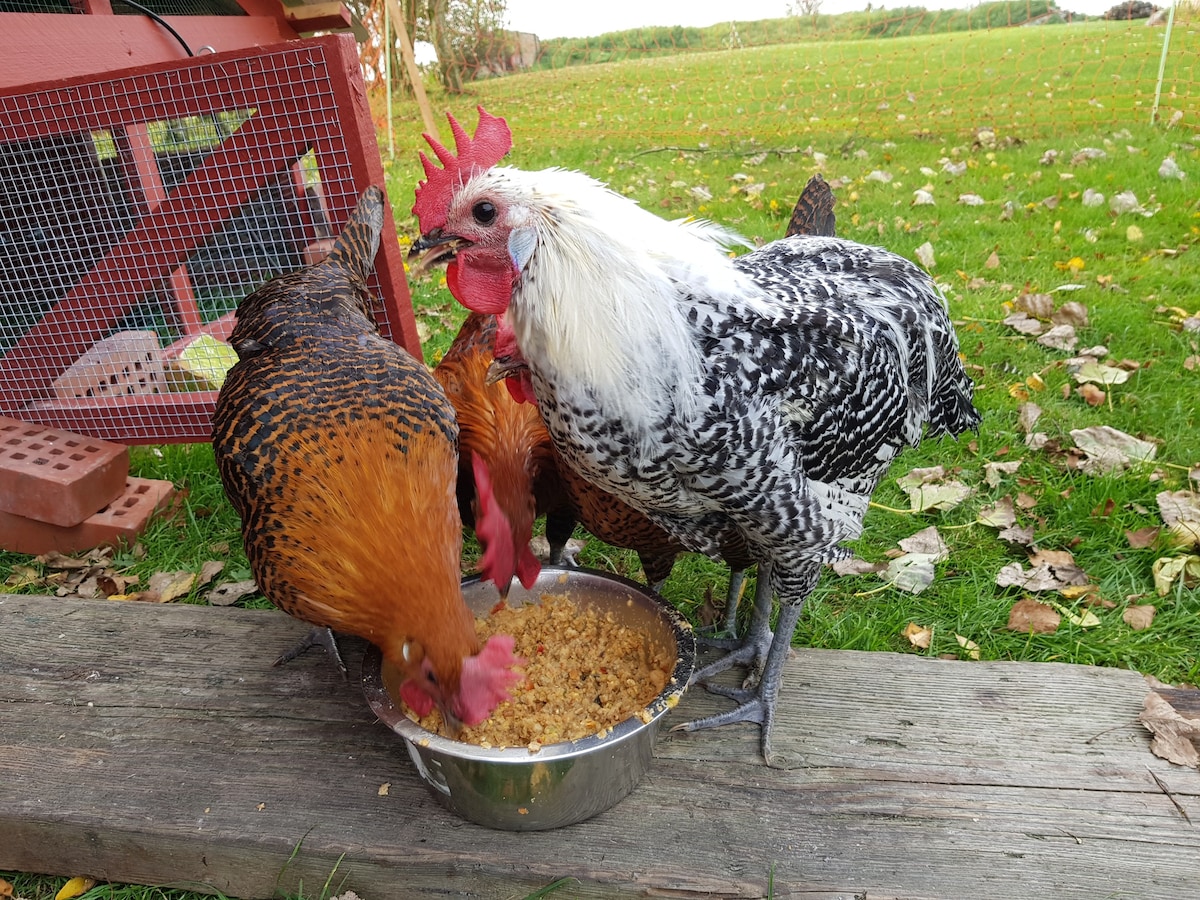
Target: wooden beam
[
  {"x": 157, "y": 744},
  {"x": 410, "y": 63}
]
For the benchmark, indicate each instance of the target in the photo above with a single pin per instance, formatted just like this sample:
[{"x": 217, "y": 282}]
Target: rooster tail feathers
[{"x": 358, "y": 243}]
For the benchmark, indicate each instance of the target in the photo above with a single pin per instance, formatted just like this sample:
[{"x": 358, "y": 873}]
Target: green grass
[{"x": 765, "y": 113}]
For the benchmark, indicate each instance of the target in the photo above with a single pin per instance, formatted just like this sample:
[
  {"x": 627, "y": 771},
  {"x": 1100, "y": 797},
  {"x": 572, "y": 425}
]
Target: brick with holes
[
  {"x": 57, "y": 477},
  {"x": 120, "y": 522}
]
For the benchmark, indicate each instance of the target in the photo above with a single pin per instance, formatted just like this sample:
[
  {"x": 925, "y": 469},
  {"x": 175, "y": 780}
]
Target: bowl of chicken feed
[{"x": 605, "y": 660}]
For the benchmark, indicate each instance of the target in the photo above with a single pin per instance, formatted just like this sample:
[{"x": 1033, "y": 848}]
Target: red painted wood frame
[{"x": 306, "y": 95}]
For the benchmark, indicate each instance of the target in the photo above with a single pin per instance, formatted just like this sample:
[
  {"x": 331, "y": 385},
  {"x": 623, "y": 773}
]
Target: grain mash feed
[{"x": 585, "y": 671}]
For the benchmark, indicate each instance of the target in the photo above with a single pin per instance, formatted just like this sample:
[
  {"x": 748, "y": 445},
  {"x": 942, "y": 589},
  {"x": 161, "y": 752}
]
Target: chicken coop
[{"x": 160, "y": 160}]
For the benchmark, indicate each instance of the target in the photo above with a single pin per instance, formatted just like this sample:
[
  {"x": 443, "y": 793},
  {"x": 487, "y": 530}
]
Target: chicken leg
[{"x": 319, "y": 637}]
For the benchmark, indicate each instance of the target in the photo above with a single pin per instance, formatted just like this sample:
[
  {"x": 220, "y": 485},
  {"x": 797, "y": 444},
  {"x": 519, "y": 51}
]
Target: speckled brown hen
[{"x": 337, "y": 448}]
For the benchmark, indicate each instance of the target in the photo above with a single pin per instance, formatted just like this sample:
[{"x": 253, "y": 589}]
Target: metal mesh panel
[
  {"x": 138, "y": 211},
  {"x": 179, "y": 8}
]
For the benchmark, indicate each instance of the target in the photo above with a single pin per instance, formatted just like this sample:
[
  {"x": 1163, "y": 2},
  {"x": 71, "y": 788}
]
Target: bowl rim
[{"x": 388, "y": 710}]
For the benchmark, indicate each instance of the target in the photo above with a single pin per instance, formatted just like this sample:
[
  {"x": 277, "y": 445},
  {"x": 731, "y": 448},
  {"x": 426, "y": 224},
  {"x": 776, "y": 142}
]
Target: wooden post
[{"x": 410, "y": 62}]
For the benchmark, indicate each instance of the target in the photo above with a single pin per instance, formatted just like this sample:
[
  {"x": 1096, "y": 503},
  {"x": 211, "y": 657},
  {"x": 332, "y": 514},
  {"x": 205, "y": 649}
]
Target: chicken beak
[
  {"x": 452, "y": 723},
  {"x": 501, "y": 369},
  {"x": 433, "y": 249}
]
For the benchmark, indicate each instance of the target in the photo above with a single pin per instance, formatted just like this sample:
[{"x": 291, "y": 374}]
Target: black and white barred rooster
[{"x": 757, "y": 399}]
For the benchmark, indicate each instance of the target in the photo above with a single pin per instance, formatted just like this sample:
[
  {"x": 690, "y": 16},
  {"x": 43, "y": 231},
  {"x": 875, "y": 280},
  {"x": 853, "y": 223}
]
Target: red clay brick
[
  {"x": 55, "y": 476},
  {"x": 119, "y": 522}
]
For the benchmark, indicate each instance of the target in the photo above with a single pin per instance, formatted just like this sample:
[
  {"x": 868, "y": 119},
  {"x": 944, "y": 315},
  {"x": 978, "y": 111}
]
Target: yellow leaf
[
  {"x": 76, "y": 886},
  {"x": 1018, "y": 392},
  {"x": 1035, "y": 382},
  {"x": 6, "y": 889},
  {"x": 1075, "y": 591},
  {"x": 918, "y": 635},
  {"x": 969, "y": 645},
  {"x": 1086, "y": 619}
]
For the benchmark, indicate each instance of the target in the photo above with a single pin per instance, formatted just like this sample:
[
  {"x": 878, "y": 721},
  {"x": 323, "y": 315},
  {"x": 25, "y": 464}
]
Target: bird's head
[
  {"x": 470, "y": 219},
  {"x": 467, "y": 690},
  {"x": 504, "y": 535}
]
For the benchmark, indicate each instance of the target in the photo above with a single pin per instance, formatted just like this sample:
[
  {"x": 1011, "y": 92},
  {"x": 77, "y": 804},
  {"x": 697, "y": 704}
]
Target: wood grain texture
[{"x": 156, "y": 744}]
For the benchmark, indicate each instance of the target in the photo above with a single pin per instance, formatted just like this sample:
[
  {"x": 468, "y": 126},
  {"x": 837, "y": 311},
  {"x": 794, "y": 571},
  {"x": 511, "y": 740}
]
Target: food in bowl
[{"x": 585, "y": 671}]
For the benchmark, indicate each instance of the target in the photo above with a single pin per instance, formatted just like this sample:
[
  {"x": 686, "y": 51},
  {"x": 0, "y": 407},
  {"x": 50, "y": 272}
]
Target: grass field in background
[{"x": 733, "y": 136}]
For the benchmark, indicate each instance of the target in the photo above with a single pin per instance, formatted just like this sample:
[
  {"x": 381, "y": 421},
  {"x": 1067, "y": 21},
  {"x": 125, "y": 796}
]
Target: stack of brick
[{"x": 66, "y": 492}]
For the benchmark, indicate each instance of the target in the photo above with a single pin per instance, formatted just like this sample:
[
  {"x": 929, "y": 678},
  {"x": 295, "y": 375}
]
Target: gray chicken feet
[
  {"x": 751, "y": 650},
  {"x": 758, "y": 705},
  {"x": 319, "y": 637}
]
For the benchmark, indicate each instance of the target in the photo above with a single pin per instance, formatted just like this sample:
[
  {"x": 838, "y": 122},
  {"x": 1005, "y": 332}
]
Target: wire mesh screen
[{"x": 139, "y": 210}]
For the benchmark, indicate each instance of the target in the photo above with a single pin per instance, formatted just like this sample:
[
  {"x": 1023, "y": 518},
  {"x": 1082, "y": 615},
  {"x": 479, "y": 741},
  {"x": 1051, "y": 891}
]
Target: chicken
[
  {"x": 759, "y": 398},
  {"x": 602, "y": 514},
  {"x": 508, "y": 473},
  {"x": 337, "y": 449}
]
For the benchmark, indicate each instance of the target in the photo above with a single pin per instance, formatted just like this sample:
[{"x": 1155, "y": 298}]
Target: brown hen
[
  {"x": 337, "y": 448},
  {"x": 508, "y": 471}
]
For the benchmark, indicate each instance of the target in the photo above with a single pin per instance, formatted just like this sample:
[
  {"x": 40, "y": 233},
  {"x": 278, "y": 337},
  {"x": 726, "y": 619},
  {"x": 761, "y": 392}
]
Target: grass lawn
[{"x": 1007, "y": 217}]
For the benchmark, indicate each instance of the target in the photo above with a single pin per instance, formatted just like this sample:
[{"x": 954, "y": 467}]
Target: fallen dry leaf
[
  {"x": 1001, "y": 514},
  {"x": 928, "y": 541},
  {"x": 1071, "y": 313},
  {"x": 1091, "y": 395},
  {"x": 208, "y": 571},
  {"x": 969, "y": 645},
  {"x": 231, "y": 592},
  {"x": 1040, "y": 306},
  {"x": 993, "y": 471},
  {"x": 1027, "y": 416},
  {"x": 56, "y": 560},
  {"x": 1029, "y": 615},
  {"x": 1176, "y": 738},
  {"x": 1142, "y": 537},
  {"x": 1086, "y": 619},
  {"x": 1098, "y": 373},
  {"x": 6, "y": 889},
  {"x": 857, "y": 566},
  {"x": 171, "y": 585},
  {"x": 1169, "y": 569},
  {"x": 946, "y": 495},
  {"x": 1108, "y": 448},
  {"x": 1060, "y": 337},
  {"x": 74, "y": 887},
  {"x": 1025, "y": 323},
  {"x": 925, "y": 255},
  {"x": 1181, "y": 512},
  {"x": 1017, "y": 534},
  {"x": 918, "y": 635},
  {"x": 912, "y": 572},
  {"x": 1140, "y": 617},
  {"x": 384, "y": 788}
]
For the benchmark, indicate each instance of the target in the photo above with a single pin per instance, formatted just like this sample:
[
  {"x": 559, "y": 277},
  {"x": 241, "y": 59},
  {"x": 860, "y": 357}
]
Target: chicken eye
[{"x": 484, "y": 212}]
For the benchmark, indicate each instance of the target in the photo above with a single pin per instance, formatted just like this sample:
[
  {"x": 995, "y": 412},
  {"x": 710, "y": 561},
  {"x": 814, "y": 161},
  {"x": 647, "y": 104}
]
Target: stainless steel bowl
[{"x": 518, "y": 790}]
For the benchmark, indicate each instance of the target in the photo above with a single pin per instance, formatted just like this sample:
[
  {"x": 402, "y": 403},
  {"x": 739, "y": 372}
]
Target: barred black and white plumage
[{"x": 761, "y": 397}]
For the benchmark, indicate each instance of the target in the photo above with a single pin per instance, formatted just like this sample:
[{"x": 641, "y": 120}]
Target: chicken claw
[{"x": 318, "y": 637}]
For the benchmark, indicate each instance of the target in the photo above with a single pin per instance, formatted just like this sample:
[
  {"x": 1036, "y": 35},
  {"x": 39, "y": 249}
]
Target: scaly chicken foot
[
  {"x": 752, "y": 649},
  {"x": 759, "y": 708},
  {"x": 319, "y": 637}
]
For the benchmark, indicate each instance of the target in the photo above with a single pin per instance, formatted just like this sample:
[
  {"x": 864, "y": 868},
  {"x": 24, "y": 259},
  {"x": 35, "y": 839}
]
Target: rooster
[
  {"x": 508, "y": 470},
  {"x": 757, "y": 399},
  {"x": 337, "y": 449},
  {"x": 600, "y": 513}
]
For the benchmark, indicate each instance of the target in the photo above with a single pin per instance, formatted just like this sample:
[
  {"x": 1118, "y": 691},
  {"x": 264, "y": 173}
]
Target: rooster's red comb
[{"x": 491, "y": 142}]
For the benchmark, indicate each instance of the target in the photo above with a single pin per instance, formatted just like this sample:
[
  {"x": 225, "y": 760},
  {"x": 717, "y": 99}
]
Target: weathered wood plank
[{"x": 158, "y": 745}]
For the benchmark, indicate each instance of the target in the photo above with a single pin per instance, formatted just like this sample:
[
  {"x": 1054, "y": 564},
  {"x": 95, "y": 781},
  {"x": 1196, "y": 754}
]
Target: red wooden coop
[{"x": 159, "y": 161}]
